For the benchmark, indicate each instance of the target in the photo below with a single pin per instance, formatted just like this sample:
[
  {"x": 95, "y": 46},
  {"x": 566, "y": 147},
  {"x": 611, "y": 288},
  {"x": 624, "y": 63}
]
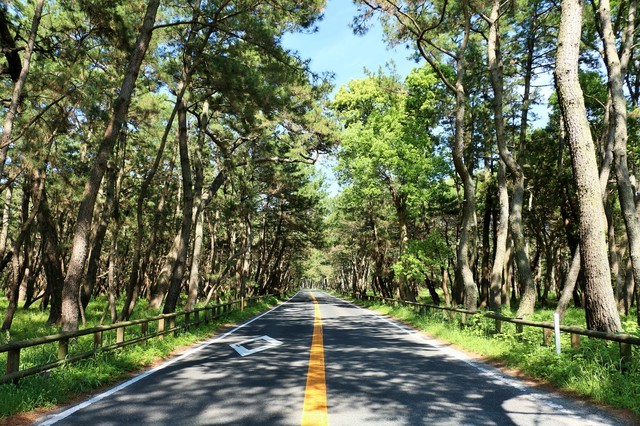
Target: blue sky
[{"x": 336, "y": 49}]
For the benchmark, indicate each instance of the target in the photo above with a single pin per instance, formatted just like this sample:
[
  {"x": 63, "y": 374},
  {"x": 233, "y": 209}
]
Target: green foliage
[{"x": 421, "y": 258}]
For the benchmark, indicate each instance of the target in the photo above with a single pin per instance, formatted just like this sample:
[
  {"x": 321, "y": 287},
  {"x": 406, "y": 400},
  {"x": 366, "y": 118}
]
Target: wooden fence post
[
  {"x": 144, "y": 328},
  {"x": 172, "y": 325},
  {"x": 13, "y": 361},
  {"x": 97, "y": 340},
  {"x": 63, "y": 348},
  {"x": 160, "y": 328},
  {"x": 575, "y": 340},
  {"x": 119, "y": 334},
  {"x": 498, "y": 326},
  {"x": 626, "y": 355},
  {"x": 196, "y": 318},
  {"x": 187, "y": 320},
  {"x": 547, "y": 336},
  {"x": 519, "y": 328}
]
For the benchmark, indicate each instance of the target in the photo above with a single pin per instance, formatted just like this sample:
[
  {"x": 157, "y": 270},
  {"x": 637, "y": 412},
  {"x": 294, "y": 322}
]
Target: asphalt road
[{"x": 378, "y": 372}]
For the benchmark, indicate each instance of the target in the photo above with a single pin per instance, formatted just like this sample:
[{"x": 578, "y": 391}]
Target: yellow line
[{"x": 314, "y": 411}]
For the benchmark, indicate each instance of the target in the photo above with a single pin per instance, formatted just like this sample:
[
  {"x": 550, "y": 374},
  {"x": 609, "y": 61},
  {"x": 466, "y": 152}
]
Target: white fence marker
[{"x": 556, "y": 323}]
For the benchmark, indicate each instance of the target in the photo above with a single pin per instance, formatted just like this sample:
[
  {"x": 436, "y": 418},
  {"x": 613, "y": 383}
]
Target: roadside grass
[
  {"x": 594, "y": 370},
  {"x": 68, "y": 382},
  {"x": 32, "y": 322}
]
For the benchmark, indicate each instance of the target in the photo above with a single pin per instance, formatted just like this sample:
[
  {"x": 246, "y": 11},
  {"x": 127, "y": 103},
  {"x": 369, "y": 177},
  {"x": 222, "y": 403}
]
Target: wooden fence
[
  {"x": 69, "y": 347},
  {"x": 626, "y": 341}
]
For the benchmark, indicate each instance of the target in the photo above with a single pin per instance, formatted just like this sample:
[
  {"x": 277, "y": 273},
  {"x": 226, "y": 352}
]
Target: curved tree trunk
[
  {"x": 82, "y": 229},
  {"x": 6, "y": 219},
  {"x": 463, "y": 273},
  {"x": 200, "y": 199},
  {"x": 177, "y": 274},
  {"x": 18, "y": 271},
  {"x": 495, "y": 299},
  {"x": 616, "y": 69},
  {"x": 600, "y": 304},
  {"x": 52, "y": 255},
  {"x": 18, "y": 87},
  {"x": 494, "y": 57}
]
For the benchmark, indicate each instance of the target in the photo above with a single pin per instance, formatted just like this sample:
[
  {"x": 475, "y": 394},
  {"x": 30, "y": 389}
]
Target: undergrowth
[{"x": 593, "y": 370}]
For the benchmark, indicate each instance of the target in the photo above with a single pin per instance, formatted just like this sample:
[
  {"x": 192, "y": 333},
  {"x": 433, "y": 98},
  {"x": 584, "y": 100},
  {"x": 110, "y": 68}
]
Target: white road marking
[
  {"x": 129, "y": 382},
  {"x": 269, "y": 342}
]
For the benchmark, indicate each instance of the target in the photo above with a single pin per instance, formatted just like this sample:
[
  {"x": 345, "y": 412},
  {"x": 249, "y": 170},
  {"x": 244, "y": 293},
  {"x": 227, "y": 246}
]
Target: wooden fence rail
[
  {"x": 626, "y": 341},
  {"x": 150, "y": 328}
]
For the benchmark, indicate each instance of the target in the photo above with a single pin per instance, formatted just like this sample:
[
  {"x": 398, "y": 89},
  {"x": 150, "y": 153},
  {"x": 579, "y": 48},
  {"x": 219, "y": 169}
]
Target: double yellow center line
[{"x": 315, "y": 395}]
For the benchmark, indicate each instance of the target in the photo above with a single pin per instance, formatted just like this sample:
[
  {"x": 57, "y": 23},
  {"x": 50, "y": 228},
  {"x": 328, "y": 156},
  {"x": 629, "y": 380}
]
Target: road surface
[{"x": 315, "y": 360}]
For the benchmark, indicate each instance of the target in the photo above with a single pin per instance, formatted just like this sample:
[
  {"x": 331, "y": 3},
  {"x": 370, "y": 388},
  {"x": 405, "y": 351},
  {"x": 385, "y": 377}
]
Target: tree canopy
[{"x": 167, "y": 152}]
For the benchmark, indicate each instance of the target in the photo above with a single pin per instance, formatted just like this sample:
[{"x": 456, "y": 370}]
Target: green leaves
[
  {"x": 387, "y": 145},
  {"x": 423, "y": 257}
]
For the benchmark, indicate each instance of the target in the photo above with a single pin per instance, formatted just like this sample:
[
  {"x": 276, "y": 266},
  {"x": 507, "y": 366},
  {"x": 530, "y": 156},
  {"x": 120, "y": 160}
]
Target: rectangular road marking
[
  {"x": 250, "y": 346},
  {"x": 315, "y": 395}
]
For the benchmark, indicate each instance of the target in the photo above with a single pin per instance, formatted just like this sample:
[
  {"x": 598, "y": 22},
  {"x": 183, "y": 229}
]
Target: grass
[
  {"x": 64, "y": 384},
  {"x": 594, "y": 370}
]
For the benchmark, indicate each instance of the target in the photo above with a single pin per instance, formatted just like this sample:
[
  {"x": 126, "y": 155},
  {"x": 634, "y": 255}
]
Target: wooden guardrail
[
  {"x": 626, "y": 341},
  {"x": 113, "y": 335}
]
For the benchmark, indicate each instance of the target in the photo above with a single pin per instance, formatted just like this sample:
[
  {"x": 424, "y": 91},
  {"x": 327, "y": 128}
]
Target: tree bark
[
  {"x": 200, "y": 200},
  {"x": 52, "y": 255},
  {"x": 6, "y": 219},
  {"x": 497, "y": 277},
  {"x": 18, "y": 272},
  {"x": 463, "y": 269},
  {"x": 18, "y": 87},
  {"x": 494, "y": 57},
  {"x": 177, "y": 274},
  {"x": 485, "y": 282},
  {"x": 600, "y": 307},
  {"x": 616, "y": 70},
  {"x": 82, "y": 229}
]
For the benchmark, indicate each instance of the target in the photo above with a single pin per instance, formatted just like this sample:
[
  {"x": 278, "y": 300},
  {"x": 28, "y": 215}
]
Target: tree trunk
[
  {"x": 111, "y": 286},
  {"x": 497, "y": 277},
  {"x": 18, "y": 272},
  {"x": 82, "y": 229},
  {"x": 177, "y": 274},
  {"x": 200, "y": 200},
  {"x": 485, "y": 282},
  {"x": 494, "y": 57},
  {"x": 96, "y": 250},
  {"x": 52, "y": 256},
  {"x": 600, "y": 307},
  {"x": 463, "y": 269},
  {"x": 6, "y": 219},
  {"x": 19, "y": 86},
  {"x": 616, "y": 69}
]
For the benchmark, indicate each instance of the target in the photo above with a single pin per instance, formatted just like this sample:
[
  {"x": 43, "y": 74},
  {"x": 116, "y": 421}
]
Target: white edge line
[{"x": 129, "y": 382}]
